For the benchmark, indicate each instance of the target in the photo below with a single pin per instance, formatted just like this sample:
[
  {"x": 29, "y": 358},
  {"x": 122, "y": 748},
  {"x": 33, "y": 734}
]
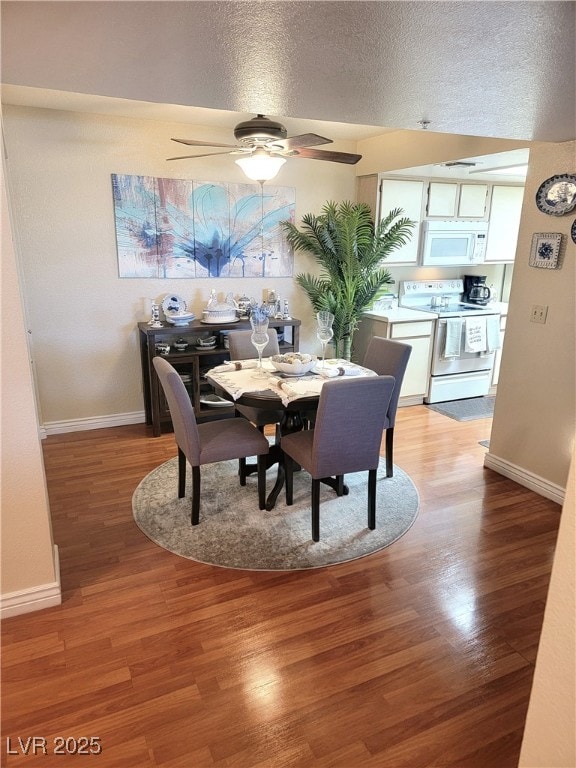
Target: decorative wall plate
[
  {"x": 545, "y": 251},
  {"x": 557, "y": 195},
  {"x": 573, "y": 232},
  {"x": 173, "y": 303}
]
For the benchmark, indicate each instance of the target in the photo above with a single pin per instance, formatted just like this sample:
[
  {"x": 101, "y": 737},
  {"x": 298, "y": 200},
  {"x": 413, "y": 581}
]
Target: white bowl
[
  {"x": 179, "y": 318},
  {"x": 226, "y": 315},
  {"x": 294, "y": 363}
]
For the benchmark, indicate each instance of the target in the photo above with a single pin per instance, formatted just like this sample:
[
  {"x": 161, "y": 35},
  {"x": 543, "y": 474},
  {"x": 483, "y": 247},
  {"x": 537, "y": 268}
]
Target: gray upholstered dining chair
[
  {"x": 241, "y": 348},
  {"x": 208, "y": 442},
  {"x": 346, "y": 438},
  {"x": 388, "y": 358}
]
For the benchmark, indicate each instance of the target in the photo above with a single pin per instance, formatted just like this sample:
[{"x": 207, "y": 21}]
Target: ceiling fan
[{"x": 264, "y": 145}]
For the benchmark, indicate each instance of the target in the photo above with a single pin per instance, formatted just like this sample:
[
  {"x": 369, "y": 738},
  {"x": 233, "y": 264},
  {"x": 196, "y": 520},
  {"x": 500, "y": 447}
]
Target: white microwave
[{"x": 453, "y": 243}]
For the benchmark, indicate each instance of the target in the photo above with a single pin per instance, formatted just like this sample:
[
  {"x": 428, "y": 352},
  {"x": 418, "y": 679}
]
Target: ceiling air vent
[{"x": 458, "y": 164}]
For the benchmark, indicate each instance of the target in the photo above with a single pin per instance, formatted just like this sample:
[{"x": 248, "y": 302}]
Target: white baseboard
[
  {"x": 93, "y": 422},
  {"x": 34, "y": 598},
  {"x": 523, "y": 477},
  {"x": 403, "y": 402}
]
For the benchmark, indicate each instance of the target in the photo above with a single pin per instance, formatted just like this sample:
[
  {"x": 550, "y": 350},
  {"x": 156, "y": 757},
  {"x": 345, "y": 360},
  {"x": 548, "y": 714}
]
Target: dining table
[{"x": 297, "y": 396}]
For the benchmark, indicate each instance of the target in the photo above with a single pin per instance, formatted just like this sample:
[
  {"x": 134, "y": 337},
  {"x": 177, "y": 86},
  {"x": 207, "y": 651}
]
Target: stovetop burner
[{"x": 423, "y": 294}]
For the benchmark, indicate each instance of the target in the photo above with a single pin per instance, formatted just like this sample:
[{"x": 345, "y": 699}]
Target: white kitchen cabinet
[
  {"x": 472, "y": 201},
  {"x": 449, "y": 200},
  {"x": 442, "y": 199},
  {"x": 405, "y": 194},
  {"x": 504, "y": 223},
  {"x": 384, "y": 195},
  {"x": 418, "y": 334}
]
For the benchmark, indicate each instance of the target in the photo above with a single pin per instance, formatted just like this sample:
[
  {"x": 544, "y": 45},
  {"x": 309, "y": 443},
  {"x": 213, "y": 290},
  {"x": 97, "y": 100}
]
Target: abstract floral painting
[{"x": 170, "y": 228}]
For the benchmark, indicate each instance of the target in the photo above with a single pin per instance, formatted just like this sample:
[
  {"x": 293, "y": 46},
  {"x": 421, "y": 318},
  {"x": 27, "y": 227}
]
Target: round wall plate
[
  {"x": 573, "y": 232},
  {"x": 557, "y": 195}
]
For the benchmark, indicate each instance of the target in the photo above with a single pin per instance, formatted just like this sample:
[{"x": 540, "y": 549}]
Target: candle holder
[{"x": 155, "y": 316}]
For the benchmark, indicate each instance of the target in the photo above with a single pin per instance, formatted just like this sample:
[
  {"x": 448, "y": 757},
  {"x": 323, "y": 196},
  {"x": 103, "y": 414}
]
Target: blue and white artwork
[{"x": 170, "y": 228}]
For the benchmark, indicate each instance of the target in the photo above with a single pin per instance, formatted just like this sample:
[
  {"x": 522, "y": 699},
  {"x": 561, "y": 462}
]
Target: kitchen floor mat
[{"x": 466, "y": 410}]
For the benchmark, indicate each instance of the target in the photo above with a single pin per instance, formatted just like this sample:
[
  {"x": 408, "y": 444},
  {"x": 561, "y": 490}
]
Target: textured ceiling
[{"x": 498, "y": 69}]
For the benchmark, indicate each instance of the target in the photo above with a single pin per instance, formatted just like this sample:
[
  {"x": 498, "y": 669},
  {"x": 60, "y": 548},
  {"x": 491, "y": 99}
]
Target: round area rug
[{"x": 234, "y": 533}]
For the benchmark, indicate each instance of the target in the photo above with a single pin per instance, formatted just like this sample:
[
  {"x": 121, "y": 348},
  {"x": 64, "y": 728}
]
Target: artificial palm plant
[{"x": 350, "y": 249}]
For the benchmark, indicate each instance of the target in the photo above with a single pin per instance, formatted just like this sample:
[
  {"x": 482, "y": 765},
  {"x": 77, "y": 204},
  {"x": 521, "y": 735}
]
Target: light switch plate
[{"x": 539, "y": 313}]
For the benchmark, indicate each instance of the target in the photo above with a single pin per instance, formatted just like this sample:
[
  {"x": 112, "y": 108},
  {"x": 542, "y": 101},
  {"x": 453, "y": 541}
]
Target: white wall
[
  {"x": 82, "y": 316},
  {"x": 29, "y": 575},
  {"x": 550, "y": 732}
]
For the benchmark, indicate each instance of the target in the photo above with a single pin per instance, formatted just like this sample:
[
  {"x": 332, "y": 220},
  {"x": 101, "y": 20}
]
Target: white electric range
[{"x": 465, "y": 338}]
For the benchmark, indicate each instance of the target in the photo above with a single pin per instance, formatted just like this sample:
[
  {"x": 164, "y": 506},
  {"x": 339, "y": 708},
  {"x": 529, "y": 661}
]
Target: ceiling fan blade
[
  {"x": 196, "y": 143},
  {"x": 207, "y": 154},
  {"x": 334, "y": 157},
  {"x": 304, "y": 140}
]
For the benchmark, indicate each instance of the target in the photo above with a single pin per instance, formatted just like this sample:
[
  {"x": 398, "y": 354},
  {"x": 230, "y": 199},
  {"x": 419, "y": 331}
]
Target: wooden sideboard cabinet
[{"x": 193, "y": 363}]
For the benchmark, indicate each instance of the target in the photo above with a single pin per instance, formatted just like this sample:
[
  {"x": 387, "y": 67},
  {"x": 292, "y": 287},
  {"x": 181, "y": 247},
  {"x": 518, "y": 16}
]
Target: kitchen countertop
[
  {"x": 500, "y": 306},
  {"x": 405, "y": 315}
]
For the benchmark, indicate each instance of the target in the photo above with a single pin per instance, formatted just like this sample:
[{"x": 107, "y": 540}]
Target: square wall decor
[
  {"x": 172, "y": 228},
  {"x": 545, "y": 250}
]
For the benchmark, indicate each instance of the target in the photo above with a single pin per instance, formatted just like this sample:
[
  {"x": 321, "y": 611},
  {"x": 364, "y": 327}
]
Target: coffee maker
[{"x": 475, "y": 290}]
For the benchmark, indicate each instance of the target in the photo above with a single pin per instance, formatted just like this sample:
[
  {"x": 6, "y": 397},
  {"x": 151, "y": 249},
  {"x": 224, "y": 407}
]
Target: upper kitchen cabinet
[
  {"x": 449, "y": 200},
  {"x": 405, "y": 194},
  {"x": 423, "y": 198},
  {"x": 367, "y": 192},
  {"x": 384, "y": 195},
  {"x": 504, "y": 223},
  {"x": 472, "y": 201},
  {"x": 442, "y": 199}
]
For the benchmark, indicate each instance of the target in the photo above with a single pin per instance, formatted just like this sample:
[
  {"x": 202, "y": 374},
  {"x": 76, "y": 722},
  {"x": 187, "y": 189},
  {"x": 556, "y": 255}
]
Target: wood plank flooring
[{"x": 419, "y": 656}]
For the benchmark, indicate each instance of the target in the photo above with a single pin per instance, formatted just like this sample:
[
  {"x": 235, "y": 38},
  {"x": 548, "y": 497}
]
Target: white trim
[
  {"x": 93, "y": 422},
  {"x": 33, "y": 598},
  {"x": 403, "y": 402},
  {"x": 522, "y": 476}
]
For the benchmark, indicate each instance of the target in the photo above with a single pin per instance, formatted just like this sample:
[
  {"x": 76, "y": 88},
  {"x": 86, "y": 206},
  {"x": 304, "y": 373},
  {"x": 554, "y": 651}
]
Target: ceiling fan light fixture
[{"x": 261, "y": 165}]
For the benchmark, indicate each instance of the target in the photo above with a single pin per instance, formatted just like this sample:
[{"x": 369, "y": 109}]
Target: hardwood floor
[{"x": 419, "y": 655}]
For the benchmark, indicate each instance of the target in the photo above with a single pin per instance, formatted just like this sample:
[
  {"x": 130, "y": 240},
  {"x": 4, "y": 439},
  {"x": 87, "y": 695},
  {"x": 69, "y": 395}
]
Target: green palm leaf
[{"x": 350, "y": 250}]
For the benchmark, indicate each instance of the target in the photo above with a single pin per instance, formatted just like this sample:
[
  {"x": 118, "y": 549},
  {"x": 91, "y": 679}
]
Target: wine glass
[
  {"x": 259, "y": 339},
  {"x": 324, "y": 331}
]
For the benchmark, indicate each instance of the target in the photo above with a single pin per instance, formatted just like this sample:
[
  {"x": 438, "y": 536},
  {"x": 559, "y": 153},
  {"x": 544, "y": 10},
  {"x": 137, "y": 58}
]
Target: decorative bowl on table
[
  {"x": 179, "y": 318},
  {"x": 294, "y": 363},
  {"x": 206, "y": 342},
  {"x": 181, "y": 345},
  {"x": 219, "y": 313}
]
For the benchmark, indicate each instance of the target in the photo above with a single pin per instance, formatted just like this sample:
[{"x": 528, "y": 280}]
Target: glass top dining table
[{"x": 297, "y": 396}]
